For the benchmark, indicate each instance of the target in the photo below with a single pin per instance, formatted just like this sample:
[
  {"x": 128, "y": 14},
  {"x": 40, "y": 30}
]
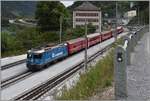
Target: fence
[{"x": 122, "y": 60}]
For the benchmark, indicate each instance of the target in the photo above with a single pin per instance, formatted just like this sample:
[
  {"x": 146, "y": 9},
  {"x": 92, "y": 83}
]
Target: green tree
[
  {"x": 4, "y": 39},
  {"x": 79, "y": 31},
  {"x": 50, "y": 37},
  {"x": 29, "y": 37},
  {"x": 48, "y": 14},
  {"x": 10, "y": 43},
  {"x": 91, "y": 28}
]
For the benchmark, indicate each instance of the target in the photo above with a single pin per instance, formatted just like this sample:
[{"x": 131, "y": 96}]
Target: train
[{"x": 38, "y": 59}]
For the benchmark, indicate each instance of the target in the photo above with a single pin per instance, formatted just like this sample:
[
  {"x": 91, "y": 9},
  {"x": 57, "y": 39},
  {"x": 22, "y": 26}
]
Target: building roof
[{"x": 87, "y": 6}]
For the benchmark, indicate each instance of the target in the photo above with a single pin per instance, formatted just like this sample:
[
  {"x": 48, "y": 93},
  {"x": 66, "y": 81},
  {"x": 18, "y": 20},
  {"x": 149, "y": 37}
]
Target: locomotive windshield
[{"x": 37, "y": 56}]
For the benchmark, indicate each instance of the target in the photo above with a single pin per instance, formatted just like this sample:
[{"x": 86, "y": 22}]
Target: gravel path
[{"x": 138, "y": 73}]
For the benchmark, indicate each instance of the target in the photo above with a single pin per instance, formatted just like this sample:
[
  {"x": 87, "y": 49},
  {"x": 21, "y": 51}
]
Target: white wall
[{"x": 75, "y": 23}]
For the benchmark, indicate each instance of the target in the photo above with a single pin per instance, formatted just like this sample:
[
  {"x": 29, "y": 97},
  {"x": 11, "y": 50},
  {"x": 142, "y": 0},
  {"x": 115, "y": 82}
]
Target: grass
[{"x": 99, "y": 77}]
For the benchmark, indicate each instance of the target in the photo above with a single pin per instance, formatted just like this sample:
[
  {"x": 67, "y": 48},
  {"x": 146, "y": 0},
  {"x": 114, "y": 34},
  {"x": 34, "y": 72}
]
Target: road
[{"x": 138, "y": 73}]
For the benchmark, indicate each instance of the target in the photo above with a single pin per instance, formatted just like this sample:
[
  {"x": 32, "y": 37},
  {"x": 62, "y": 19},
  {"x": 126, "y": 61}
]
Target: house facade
[{"x": 87, "y": 12}]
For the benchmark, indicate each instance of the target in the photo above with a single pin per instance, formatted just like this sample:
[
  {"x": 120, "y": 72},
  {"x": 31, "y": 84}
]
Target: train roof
[
  {"x": 45, "y": 48},
  {"x": 39, "y": 51},
  {"x": 96, "y": 34},
  {"x": 62, "y": 44},
  {"x": 119, "y": 27},
  {"x": 105, "y": 32},
  {"x": 93, "y": 35},
  {"x": 75, "y": 40},
  {"x": 36, "y": 51}
]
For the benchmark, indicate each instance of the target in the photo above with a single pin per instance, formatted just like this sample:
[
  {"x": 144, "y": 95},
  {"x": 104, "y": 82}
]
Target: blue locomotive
[{"x": 40, "y": 58}]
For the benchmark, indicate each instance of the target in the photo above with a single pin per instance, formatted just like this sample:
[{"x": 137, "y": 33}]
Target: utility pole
[
  {"x": 60, "y": 31},
  {"x": 100, "y": 24},
  {"x": 116, "y": 20},
  {"x": 138, "y": 13},
  {"x": 86, "y": 59}
]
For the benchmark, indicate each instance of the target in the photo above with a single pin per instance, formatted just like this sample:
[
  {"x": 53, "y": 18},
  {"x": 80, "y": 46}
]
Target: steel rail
[
  {"x": 12, "y": 80},
  {"x": 12, "y": 64},
  {"x": 39, "y": 90}
]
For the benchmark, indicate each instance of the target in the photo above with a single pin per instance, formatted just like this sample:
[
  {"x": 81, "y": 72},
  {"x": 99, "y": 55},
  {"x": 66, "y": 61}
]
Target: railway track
[
  {"x": 39, "y": 90},
  {"x": 12, "y": 64},
  {"x": 14, "y": 79}
]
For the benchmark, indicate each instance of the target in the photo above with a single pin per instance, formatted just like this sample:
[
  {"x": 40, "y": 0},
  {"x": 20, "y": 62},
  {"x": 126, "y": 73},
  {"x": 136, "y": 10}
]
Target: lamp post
[{"x": 138, "y": 15}]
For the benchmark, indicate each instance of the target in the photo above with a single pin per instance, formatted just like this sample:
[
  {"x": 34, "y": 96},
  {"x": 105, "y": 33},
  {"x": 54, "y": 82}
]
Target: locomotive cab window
[{"x": 38, "y": 56}]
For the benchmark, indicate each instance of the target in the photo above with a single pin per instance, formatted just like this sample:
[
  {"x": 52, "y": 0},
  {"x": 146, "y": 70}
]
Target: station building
[{"x": 87, "y": 12}]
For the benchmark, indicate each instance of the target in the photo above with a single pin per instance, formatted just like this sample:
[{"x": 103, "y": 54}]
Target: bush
[
  {"x": 50, "y": 37},
  {"x": 73, "y": 33},
  {"x": 10, "y": 44},
  {"x": 29, "y": 37},
  {"x": 91, "y": 28}
]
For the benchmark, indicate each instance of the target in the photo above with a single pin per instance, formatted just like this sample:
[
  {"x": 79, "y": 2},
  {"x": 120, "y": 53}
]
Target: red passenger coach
[
  {"x": 106, "y": 35},
  {"x": 76, "y": 45},
  {"x": 93, "y": 39},
  {"x": 120, "y": 30}
]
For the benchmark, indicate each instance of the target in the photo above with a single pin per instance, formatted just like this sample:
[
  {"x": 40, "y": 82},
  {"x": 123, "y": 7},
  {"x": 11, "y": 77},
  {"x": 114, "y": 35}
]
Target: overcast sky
[{"x": 67, "y": 3}]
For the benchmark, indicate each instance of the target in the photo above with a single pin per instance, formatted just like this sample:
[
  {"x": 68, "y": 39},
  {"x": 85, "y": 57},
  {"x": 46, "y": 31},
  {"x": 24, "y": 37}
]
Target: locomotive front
[{"x": 35, "y": 59}]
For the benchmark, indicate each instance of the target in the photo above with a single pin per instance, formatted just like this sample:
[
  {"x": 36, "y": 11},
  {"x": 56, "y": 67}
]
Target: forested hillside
[{"x": 17, "y": 9}]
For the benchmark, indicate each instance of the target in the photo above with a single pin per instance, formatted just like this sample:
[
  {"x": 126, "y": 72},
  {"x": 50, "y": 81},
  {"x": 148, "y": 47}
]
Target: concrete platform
[{"x": 8, "y": 60}]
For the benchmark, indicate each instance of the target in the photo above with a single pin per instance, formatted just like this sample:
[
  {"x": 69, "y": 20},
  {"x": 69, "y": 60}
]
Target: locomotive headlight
[
  {"x": 29, "y": 51},
  {"x": 65, "y": 44}
]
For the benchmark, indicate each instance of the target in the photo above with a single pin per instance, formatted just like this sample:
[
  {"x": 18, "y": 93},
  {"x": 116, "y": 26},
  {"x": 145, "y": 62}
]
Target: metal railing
[{"x": 122, "y": 60}]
